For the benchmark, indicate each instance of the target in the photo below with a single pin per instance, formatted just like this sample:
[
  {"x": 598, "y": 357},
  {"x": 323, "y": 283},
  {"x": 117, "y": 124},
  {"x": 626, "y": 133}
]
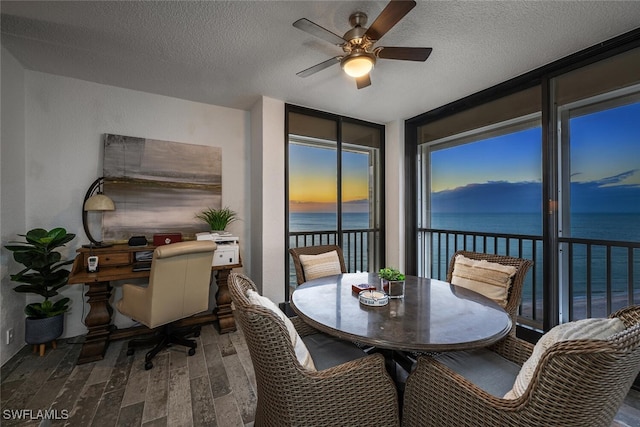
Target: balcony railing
[
  {"x": 359, "y": 246},
  {"x": 597, "y": 276},
  {"x": 602, "y": 276}
]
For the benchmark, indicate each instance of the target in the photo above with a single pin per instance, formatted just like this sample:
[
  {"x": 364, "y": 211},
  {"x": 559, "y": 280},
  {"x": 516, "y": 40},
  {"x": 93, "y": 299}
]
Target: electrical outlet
[{"x": 9, "y": 335}]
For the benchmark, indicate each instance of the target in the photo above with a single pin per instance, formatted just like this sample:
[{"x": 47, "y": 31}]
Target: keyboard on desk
[{"x": 141, "y": 266}]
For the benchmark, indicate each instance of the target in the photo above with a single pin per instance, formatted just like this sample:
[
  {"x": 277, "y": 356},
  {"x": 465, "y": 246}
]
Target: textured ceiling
[{"x": 231, "y": 53}]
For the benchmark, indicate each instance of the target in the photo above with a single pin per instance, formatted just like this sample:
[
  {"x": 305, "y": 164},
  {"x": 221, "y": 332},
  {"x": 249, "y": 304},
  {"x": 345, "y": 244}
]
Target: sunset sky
[{"x": 313, "y": 178}]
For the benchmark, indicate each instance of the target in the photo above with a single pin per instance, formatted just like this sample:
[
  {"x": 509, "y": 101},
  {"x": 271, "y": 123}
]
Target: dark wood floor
[{"x": 215, "y": 387}]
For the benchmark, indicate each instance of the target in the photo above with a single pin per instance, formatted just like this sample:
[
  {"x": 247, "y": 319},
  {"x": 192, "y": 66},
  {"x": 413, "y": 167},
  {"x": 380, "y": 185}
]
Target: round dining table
[{"x": 432, "y": 316}]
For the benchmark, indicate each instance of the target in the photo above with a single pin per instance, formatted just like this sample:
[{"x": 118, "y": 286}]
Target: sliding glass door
[{"x": 334, "y": 187}]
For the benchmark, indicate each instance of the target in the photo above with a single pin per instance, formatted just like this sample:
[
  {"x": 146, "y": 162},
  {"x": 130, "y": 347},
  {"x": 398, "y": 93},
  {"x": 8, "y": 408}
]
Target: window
[
  {"x": 334, "y": 186},
  {"x": 600, "y": 203},
  {"x": 585, "y": 236},
  {"x": 482, "y": 191}
]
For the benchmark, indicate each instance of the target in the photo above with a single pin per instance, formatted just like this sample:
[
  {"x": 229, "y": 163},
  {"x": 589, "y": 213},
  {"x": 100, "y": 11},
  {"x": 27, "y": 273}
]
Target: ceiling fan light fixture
[{"x": 358, "y": 64}]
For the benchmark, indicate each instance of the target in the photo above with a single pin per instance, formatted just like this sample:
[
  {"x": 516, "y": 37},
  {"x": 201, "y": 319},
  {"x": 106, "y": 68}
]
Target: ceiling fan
[{"x": 358, "y": 43}]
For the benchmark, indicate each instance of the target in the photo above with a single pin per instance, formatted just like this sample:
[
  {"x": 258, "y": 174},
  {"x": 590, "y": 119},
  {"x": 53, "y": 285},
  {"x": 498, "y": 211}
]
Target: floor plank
[
  {"x": 215, "y": 387},
  {"x": 203, "y": 410}
]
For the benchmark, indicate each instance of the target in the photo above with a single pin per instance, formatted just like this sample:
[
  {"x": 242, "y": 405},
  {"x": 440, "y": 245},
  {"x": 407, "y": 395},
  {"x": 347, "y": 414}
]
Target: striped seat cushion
[
  {"x": 320, "y": 265},
  {"x": 490, "y": 279}
]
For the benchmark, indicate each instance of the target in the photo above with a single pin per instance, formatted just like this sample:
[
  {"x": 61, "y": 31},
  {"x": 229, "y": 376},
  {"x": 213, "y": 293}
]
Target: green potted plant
[
  {"x": 392, "y": 282},
  {"x": 218, "y": 219},
  {"x": 43, "y": 274}
]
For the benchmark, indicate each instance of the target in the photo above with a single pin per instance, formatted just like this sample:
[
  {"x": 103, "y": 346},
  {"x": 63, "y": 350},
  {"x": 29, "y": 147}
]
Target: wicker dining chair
[
  {"x": 579, "y": 383},
  {"x": 314, "y": 250},
  {"x": 515, "y": 290},
  {"x": 356, "y": 393}
]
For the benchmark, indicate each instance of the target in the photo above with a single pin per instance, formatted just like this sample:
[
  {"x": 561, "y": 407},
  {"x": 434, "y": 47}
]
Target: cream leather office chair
[{"x": 178, "y": 288}]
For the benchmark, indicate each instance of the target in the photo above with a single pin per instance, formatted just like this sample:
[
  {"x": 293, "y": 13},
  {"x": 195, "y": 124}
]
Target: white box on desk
[{"x": 226, "y": 254}]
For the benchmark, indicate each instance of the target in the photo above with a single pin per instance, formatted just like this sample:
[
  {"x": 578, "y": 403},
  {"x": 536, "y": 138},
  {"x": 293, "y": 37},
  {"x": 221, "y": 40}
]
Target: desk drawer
[{"x": 117, "y": 258}]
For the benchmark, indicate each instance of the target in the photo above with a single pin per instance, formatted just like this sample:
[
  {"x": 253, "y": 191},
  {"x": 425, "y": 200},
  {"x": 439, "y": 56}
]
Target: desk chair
[
  {"x": 178, "y": 288},
  {"x": 318, "y": 260}
]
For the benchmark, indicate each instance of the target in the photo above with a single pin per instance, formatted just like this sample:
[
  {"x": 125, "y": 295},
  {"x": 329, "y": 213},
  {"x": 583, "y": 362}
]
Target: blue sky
[
  {"x": 605, "y": 166},
  {"x": 513, "y": 158},
  {"x": 606, "y": 144}
]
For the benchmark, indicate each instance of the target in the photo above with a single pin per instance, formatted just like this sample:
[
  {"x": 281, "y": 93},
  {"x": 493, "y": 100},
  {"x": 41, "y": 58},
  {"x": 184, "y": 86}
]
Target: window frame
[
  {"x": 378, "y": 245},
  {"x": 544, "y": 76}
]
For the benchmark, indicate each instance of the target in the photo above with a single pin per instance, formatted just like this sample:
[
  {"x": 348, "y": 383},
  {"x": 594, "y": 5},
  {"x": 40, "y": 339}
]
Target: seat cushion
[
  {"x": 328, "y": 351},
  {"x": 321, "y": 265},
  {"x": 302, "y": 353},
  {"x": 490, "y": 279},
  {"x": 590, "y": 329},
  {"x": 484, "y": 368}
]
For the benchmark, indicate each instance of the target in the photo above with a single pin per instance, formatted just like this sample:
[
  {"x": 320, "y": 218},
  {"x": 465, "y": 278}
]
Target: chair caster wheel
[
  {"x": 192, "y": 351},
  {"x": 130, "y": 352},
  {"x": 148, "y": 366}
]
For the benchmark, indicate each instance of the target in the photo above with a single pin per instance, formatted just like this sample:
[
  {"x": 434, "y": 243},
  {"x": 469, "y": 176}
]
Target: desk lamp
[{"x": 94, "y": 200}]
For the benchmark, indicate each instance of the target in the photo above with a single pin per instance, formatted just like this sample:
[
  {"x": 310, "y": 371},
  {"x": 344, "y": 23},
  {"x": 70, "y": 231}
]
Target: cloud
[
  {"x": 607, "y": 195},
  {"x": 616, "y": 179}
]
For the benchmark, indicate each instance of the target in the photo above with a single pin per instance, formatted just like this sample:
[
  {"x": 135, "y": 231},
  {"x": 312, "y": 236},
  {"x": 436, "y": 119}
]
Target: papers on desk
[{"x": 141, "y": 266}]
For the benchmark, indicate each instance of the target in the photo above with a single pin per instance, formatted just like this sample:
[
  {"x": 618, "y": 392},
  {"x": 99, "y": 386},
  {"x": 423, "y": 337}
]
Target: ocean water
[
  {"x": 599, "y": 226},
  {"x": 323, "y": 221},
  {"x": 623, "y": 227}
]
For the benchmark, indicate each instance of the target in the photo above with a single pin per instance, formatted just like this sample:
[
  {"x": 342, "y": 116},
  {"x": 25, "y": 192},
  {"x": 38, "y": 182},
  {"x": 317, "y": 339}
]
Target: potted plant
[
  {"x": 218, "y": 219},
  {"x": 392, "y": 282},
  {"x": 42, "y": 275}
]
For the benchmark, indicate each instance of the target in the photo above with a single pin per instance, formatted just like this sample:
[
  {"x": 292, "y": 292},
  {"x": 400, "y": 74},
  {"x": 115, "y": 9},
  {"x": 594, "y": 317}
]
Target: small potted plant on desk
[
  {"x": 392, "y": 282},
  {"x": 218, "y": 219},
  {"x": 42, "y": 275}
]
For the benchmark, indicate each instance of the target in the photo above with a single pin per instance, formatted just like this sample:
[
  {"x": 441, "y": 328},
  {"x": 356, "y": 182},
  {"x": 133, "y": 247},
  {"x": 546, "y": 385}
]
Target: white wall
[
  {"x": 394, "y": 194},
  {"x": 267, "y": 197},
  {"x": 52, "y": 151},
  {"x": 64, "y": 122},
  {"x": 12, "y": 200}
]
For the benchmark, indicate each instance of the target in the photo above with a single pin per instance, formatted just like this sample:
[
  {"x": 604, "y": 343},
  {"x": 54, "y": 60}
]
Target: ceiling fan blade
[
  {"x": 314, "y": 29},
  {"x": 363, "y": 81},
  {"x": 404, "y": 53},
  {"x": 318, "y": 67},
  {"x": 390, "y": 15}
]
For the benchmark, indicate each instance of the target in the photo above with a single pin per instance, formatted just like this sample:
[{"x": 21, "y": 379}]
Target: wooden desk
[
  {"x": 432, "y": 316},
  {"x": 115, "y": 263}
]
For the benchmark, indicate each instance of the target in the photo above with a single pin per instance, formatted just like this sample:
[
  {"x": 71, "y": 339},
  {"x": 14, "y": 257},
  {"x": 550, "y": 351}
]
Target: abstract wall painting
[{"x": 158, "y": 186}]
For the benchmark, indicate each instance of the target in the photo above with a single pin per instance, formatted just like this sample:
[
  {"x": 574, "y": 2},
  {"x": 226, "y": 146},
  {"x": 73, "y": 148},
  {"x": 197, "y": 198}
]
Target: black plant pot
[{"x": 41, "y": 331}]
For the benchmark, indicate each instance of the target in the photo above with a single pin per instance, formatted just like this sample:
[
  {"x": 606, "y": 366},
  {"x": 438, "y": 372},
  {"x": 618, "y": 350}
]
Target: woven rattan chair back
[
  {"x": 313, "y": 250},
  {"x": 579, "y": 383},
  {"x": 289, "y": 395},
  {"x": 515, "y": 290}
]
